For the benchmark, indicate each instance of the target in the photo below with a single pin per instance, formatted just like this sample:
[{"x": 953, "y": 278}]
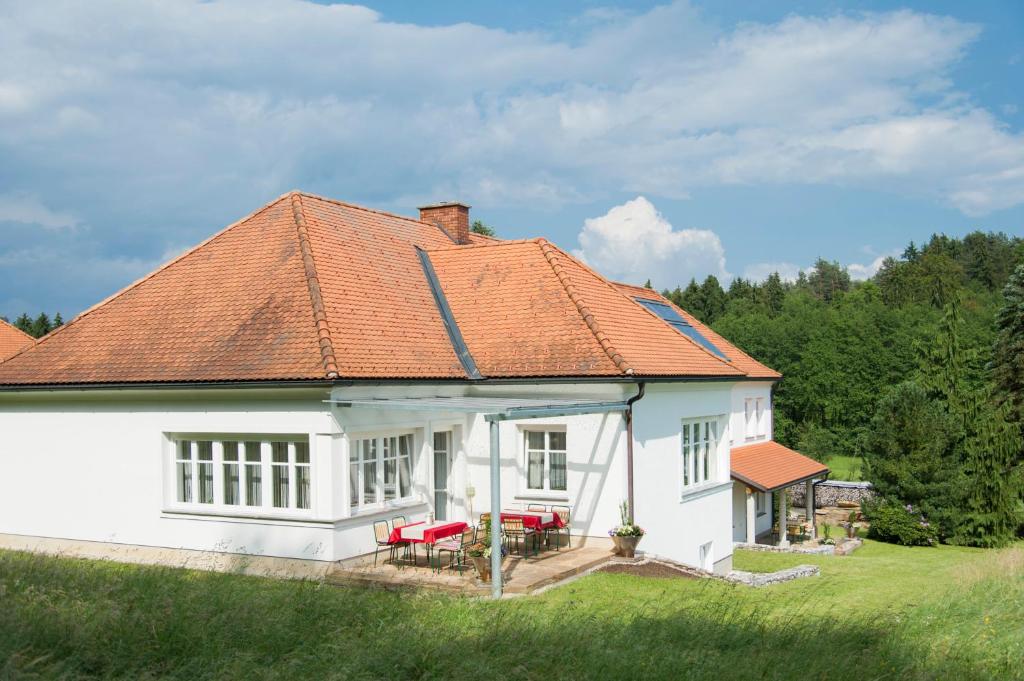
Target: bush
[{"x": 897, "y": 524}]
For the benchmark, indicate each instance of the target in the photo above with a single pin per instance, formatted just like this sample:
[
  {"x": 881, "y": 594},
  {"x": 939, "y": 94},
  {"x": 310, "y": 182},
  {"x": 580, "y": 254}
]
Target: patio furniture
[
  {"x": 426, "y": 533},
  {"x": 400, "y": 521},
  {"x": 456, "y": 548},
  {"x": 382, "y": 535},
  {"x": 513, "y": 528},
  {"x": 536, "y": 507},
  {"x": 563, "y": 513}
]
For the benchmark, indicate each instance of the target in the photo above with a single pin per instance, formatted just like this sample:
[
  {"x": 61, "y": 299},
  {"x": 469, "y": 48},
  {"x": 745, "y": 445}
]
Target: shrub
[{"x": 897, "y": 524}]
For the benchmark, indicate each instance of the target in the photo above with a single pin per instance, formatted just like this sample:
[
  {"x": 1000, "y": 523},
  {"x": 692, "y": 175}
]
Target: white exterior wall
[
  {"x": 741, "y": 392},
  {"x": 94, "y": 466},
  {"x": 97, "y": 465},
  {"x": 678, "y": 524}
]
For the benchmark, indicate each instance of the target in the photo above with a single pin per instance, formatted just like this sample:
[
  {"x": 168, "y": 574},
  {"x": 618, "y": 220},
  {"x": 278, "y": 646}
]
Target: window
[
  {"x": 759, "y": 499},
  {"x": 546, "y": 467},
  {"x": 380, "y": 470},
  {"x": 231, "y": 473},
  {"x": 756, "y": 419},
  {"x": 699, "y": 448},
  {"x": 668, "y": 314}
]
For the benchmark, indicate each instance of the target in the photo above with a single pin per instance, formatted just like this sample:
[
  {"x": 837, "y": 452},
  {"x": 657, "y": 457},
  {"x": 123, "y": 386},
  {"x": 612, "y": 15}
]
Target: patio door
[{"x": 442, "y": 473}]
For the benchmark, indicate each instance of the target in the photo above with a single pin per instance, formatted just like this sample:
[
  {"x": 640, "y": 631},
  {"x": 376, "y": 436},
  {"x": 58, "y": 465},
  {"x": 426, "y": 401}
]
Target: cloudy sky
[{"x": 655, "y": 140}]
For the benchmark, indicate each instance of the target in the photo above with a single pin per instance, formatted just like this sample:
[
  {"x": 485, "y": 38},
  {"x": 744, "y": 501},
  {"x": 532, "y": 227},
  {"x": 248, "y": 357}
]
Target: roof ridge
[
  {"x": 463, "y": 247},
  {"x": 549, "y": 252},
  {"x": 146, "y": 277},
  {"x": 323, "y": 329}
]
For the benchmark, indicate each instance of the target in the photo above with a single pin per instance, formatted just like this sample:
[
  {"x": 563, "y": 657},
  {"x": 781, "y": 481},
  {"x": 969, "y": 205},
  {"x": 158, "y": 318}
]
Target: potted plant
[
  {"x": 851, "y": 529},
  {"x": 480, "y": 553},
  {"x": 626, "y": 535}
]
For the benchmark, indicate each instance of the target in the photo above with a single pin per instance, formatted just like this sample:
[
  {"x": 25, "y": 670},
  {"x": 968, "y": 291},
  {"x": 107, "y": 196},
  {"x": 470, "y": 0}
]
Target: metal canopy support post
[{"x": 495, "y": 511}]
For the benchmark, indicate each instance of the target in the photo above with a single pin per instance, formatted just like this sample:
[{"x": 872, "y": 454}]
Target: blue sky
[{"x": 655, "y": 140}]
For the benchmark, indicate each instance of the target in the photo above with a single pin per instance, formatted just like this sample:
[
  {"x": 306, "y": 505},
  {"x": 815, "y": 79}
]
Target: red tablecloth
[
  {"x": 533, "y": 522},
  {"x": 430, "y": 535}
]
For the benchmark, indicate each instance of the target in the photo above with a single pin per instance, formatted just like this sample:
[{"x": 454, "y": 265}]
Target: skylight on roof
[{"x": 668, "y": 314}]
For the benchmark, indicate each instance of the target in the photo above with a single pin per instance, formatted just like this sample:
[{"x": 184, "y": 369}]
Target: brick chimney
[{"x": 451, "y": 216}]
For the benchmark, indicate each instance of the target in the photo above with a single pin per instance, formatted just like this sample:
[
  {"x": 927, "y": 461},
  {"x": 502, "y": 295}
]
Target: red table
[
  {"x": 533, "y": 521},
  {"x": 430, "y": 534}
]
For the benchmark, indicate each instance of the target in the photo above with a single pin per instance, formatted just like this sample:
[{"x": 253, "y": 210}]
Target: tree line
[
  {"x": 37, "y": 326},
  {"x": 918, "y": 370}
]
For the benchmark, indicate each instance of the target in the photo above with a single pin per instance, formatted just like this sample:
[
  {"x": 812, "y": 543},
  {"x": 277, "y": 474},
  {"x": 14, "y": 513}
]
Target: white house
[{"x": 317, "y": 366}]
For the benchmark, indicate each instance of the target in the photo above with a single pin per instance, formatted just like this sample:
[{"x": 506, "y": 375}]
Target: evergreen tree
[
  {"x": 41, "y": 325},
  {"x": 691, "y": 299},
  {"x": 773, "y": 293},
  {"x": 24, "y": 322},
  {"x": 828, "y": 280},
  {"x": 58, "y": 321},
  {"x": 714, "y": 299},
  {"x": 992, "y": 512},
  {"x": 1007, "y": 365},
  {"x": 479, "y": 227},
  {"x": 647, "y": 285}
]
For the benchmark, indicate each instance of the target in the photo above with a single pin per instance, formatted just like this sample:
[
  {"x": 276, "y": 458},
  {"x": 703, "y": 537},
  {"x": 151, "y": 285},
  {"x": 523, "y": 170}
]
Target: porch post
[
  {"x": 783, "y": 539},
  {"x": 495, "y": 512},
  {"x": 809, "y": 500},
  {"x": 751, "y": 516}
]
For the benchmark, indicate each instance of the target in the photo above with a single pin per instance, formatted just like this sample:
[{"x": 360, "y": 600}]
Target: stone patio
[{"x": 521, "y": 575}]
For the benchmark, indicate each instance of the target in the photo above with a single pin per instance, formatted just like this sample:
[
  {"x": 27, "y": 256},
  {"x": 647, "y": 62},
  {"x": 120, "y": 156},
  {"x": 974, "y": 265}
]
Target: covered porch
[
  {"x": 484, "y": 415},
  {"x": 763, "y": 469}
]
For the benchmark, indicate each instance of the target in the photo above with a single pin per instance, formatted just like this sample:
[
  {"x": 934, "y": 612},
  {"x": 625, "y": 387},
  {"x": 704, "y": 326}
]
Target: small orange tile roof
[
  {"x": 769, "y": 466},
  {"x": 12, "y": 340},
  {"x": 309, "y": 288}
]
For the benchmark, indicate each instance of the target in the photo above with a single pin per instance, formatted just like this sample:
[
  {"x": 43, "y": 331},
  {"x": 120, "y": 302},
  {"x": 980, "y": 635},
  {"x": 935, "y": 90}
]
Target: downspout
[{"x": 629, "y": 448}]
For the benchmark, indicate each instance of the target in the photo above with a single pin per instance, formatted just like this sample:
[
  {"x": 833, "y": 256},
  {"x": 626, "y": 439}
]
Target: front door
[{"x": 442, "y": 473}]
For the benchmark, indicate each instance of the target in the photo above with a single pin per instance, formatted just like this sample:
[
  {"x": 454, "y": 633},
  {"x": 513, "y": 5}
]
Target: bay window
[
  {"x": 545, "y": 463},
  {"x": 699, "y": 449},
  {"x": 380, "y": 470},
  {"x": 228, "y": 474}
]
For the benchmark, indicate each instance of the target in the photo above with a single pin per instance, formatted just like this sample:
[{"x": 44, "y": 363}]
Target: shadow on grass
[{"x": 85, "y": 619}]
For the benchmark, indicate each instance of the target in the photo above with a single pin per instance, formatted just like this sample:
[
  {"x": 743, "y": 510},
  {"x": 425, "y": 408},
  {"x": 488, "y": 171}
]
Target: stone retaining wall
[
  {"x": 764, "y": 579},
  {"x": 831, "y": 492}
]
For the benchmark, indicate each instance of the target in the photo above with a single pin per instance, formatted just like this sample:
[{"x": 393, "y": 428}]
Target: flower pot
[
  {"x": 626, "y": 546},
  {"x": 483, "y": 567}
]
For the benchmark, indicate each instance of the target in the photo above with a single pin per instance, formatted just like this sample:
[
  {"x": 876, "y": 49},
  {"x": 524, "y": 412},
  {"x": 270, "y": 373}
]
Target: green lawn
[
  {"x": 848, "y": 468},
  {"x": 885, "y": 612}
]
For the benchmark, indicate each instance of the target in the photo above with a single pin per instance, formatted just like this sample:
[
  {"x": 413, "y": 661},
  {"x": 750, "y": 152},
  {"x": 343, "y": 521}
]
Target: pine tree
[
  {"x": 58, "y": 321},
  {"x": 41, "y": 326},
  {"x": 24, "y": 322},
  {"x": 992, "y": 497},
  {"x": 773, "y": 293},
  {"x": 647, "y": 285},
  {"x": 1007, "y": 365},
  {"x": 714, "y": 299}
]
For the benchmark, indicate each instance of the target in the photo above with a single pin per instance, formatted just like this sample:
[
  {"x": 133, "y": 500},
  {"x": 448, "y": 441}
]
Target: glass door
[{"x": 442, "y": 473}]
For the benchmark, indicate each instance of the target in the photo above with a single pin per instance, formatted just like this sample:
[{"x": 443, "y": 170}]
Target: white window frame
[
  {"x": 760, "y": 504},
  {"x": 298, "y": 459},
  {"x": 545, "y": 489},
  {"x": 699, "y": 454},
  {"x": 755, "y": 418},
  {"x": 382, "y": 450}
]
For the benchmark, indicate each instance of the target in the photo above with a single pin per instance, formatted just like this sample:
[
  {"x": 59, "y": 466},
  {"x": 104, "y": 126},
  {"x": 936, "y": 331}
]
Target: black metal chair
[
  {"x": 513, "y": 528},
  {"x": 382, "y": 535},
  {"x": 456, "y": 547},
  {"x": 564, "y": 513}
]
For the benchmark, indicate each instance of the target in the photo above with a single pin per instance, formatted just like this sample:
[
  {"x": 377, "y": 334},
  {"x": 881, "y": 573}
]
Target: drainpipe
[{"x": 629, "y": 448}]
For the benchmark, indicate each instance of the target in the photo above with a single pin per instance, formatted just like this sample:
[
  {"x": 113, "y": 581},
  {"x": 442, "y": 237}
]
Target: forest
[{"x": 916, "y": 370}]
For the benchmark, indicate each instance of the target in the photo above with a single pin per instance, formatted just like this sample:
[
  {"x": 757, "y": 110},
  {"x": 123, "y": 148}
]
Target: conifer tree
[{"x": 1008, "y": 354}]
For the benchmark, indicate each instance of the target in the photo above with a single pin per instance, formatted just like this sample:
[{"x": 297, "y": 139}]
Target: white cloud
[
  {"x": 634, "y": 242},
  {"x": 29, "y": 210},
  {"x": 861, "y": 272}
]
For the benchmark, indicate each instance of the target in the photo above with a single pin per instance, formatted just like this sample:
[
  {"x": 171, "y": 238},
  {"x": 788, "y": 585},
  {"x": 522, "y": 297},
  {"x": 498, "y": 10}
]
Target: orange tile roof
[
  {"x": 12, "y": 340},
  {"x": 741, "y": 360},
  {"x": 309, "y": 288},
  {"x": 769, "y": 466}
]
